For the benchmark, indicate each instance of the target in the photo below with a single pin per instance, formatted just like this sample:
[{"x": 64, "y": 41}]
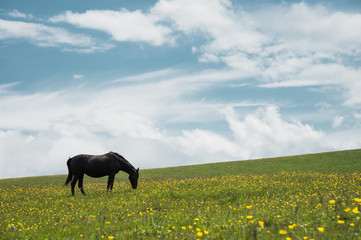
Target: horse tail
[{"x": 70, "y": 175}]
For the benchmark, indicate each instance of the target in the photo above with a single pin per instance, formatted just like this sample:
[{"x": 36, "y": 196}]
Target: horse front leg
[
  {"x": 80, "y": 184},
  {"x": 110, "y": 182}
]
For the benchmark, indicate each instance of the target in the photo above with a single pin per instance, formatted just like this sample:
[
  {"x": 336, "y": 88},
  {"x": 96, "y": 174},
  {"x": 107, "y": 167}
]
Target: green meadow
[{"x": 314, "y": 196}]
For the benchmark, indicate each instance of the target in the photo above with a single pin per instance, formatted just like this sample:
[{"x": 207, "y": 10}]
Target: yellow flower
[
  {"x": 282, "y": 232},
  {"x": 358, "y": 200},
  {"x": 347, "y": 209},
  {"x": 288, "y": 238},
  {"x": 248, "y": 207},
  {"x": 199, "y": 234},
  {"x": 261, "y": 224},
  {"x": 183, "y": 228},
  {"x": 290, "y": 226},
  {"x": 352, "y": 224},
  {"x": 321, "y": 229},
  {"x": 198, "y": 229},
  {"x": 355, "y": 210},
  {"x": 110, "y": 237},
  {"x": 332, "y": 202},
  {"x": 249, "y": 217},
  {"x": 190, "y": 227},
  {"x": 340, "y": 221},
  {"x": 206, "y": 232},
  {"x": 305, "y": 238}
]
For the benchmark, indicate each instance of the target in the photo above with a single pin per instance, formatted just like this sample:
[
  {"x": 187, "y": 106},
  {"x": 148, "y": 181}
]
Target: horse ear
[{"x": 138, "y": 170}]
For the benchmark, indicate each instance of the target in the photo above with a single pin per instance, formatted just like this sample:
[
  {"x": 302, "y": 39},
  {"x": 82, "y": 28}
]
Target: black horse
[{"x": 99, "y": 166}]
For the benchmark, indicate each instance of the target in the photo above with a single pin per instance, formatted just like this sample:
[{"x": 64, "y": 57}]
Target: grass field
[{"x": 316, "y": 196}]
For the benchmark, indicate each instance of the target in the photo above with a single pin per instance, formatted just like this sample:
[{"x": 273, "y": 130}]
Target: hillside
[
  {"x": 329, "y": 162},
  {"x": 314, "y": 196}
]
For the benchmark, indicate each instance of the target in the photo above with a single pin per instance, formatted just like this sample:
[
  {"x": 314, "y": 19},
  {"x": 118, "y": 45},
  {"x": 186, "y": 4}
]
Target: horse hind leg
[
  {"x": 80, "y": 184},
  {"x": 73, "y": 183}
]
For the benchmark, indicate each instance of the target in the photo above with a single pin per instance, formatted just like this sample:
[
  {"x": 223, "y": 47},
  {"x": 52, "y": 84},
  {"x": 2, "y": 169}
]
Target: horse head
[{"x": 133, "y": 178}]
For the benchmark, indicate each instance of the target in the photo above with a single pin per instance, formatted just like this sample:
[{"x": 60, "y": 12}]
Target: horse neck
[{"x": 127, "y": 167}]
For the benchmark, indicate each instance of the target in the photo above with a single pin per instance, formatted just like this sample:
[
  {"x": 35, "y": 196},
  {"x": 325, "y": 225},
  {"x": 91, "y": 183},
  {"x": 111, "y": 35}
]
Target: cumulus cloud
[
  {"x": 256, "y": 43},
  {"x": 203, "y": 142},
  {"x": 309, "y": 46},
  {"x": 265, "y": 133},
  {"x": 227, "y": 29},
  {"x": 50, "y": 127},
  {"x": 313, "y": 28},
  {"x": 231, "y": 35}
]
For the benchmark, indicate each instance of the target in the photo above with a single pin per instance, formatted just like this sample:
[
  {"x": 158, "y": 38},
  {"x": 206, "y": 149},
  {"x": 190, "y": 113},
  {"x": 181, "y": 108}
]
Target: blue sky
[{"x": 176, "y": 82}]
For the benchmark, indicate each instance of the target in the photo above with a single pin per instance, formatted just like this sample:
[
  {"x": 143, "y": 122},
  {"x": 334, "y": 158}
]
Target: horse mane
[
  {"x": 118, "y": 155},
  {"x": 121, "y": 158}
]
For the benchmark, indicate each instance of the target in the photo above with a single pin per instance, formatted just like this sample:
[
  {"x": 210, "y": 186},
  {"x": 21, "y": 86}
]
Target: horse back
[{"x": 93, "y": 166}]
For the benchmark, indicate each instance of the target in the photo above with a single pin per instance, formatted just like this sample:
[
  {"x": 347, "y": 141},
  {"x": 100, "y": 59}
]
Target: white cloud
[
  {"x": 230, "y": 34},
  {"x": 357, "y": 115},
  {"x": 30, "y": 112},
  {"x": 307, "y": 46},
  {"x": 312, "y": 28},
  {"x": 123, "y": 25},
  {"x": 310, "y": 47},
  {"x": 197, "y": 141},
  {"x": 265, "y": 133},
  {"x": 15, "y": 13},
  {"x": 44, "y": 152},
  {"x": 334, "y": 74},
  {"x": 118, "y": 122},
  {"x": 138, "y": 121},
  {"x": 346, "y": 139},
  {"x": 45, "y": 36},
  {"x": 4, "y": 88},
  {"x": 40, "y": 34},
  {"x": 243, "y": 63},
  {"x": 337, "y": 121},
  {"x": 227, "y": 29},
  {"x": 78, "y": 76},
  {"x": 287, "y": 51},
  {"x": 209, "y": 58},
  {"x": 149, "y": 76}
]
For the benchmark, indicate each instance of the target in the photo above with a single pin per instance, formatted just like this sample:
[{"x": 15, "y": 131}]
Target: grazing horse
[{"x": 99, "y": 166}]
